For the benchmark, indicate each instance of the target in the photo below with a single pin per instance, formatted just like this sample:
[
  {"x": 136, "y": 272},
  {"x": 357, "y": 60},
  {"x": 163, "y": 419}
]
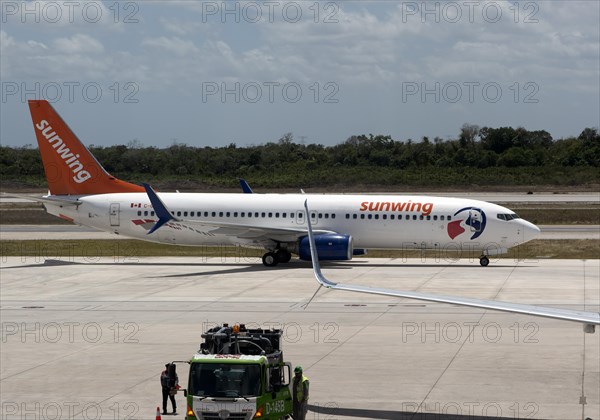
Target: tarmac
[{"x": 87, "y": 338}]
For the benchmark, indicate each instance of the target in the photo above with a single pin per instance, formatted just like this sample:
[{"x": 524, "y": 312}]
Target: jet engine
[{"x": 332, "y": 247}]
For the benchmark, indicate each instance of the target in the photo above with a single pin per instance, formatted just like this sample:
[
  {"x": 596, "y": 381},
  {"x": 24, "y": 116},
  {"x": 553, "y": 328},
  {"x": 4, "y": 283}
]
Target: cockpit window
[{"x": 508, "y": 216}]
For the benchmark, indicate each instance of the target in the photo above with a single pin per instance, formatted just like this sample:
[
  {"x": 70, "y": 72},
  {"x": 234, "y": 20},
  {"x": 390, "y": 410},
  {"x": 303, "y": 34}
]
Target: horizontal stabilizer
[{"x": 57, "y": 200}]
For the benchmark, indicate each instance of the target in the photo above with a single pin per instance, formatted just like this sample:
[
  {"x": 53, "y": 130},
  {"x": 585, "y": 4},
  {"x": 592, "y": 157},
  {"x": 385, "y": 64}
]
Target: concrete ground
[{"x": 87, "y": 339}]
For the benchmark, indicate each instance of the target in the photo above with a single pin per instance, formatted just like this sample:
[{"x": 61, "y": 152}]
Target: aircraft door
[{"x": 114, "y": 214}]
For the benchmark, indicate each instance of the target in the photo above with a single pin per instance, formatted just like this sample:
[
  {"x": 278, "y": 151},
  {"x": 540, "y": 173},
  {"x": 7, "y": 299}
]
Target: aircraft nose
[{"x": 530, "y": 231}]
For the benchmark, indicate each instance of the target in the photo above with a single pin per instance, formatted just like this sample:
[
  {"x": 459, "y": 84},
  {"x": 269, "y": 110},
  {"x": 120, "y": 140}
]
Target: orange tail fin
[{"x": 70, "y": 167}]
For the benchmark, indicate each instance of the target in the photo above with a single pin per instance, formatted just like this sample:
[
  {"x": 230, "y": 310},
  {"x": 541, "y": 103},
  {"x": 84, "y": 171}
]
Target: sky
[{"x": 212, "y": 73}]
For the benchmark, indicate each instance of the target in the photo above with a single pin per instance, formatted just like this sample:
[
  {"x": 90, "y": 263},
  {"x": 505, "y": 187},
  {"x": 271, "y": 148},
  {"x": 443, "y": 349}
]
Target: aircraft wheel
[
  {"x": 283, "y": 256},
  {"x": 484, "y": 261},
  {"x": 270, "y": 259}
]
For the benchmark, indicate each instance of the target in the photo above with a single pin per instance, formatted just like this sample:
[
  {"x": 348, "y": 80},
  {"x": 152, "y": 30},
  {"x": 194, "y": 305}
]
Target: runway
[{"x": 89, "y": 338}]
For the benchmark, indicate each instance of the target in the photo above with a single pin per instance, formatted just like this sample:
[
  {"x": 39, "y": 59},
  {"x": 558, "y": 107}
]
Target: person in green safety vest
[{"x": 300, "y": 394}]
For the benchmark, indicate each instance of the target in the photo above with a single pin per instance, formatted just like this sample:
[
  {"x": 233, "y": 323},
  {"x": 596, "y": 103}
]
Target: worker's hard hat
[{"x": 298, "y": 369}]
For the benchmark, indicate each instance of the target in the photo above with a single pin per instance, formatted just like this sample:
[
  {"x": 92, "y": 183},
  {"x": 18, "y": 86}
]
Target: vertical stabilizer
[{"x": 70, "y": 167}]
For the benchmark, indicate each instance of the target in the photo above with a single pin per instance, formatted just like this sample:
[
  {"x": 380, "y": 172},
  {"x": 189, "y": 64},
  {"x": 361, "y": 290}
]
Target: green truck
[{"x": 239, "y": 374}]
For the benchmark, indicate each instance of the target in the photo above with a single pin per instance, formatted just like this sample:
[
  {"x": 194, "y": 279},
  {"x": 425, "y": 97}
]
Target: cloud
[
  {"x": 78, "y": 44},
  {"x": 172, "y": 45},
  {"x": 78, "y": 57}
]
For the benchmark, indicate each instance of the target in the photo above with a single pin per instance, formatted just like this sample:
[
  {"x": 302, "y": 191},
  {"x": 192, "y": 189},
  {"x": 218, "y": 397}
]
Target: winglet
[
  {"x": 313, "y": 254},
  {"x": 245, "y": 186},
  {"x": 161, "y": 210}
]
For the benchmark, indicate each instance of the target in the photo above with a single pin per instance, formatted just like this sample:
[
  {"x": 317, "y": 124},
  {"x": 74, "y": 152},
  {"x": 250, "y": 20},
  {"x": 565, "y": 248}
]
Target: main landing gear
[
  {"x": 271, "y": 259},
  {"x": 484, "y": 261}
]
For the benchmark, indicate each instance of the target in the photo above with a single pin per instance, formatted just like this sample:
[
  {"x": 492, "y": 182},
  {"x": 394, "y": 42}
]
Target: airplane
[
  {"x": 588, "y": 319},
  {"x": 83, "y": 192}
]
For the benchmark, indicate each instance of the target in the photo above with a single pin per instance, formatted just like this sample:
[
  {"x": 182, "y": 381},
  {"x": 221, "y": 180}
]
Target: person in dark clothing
[{"x": 169, "y": 386}]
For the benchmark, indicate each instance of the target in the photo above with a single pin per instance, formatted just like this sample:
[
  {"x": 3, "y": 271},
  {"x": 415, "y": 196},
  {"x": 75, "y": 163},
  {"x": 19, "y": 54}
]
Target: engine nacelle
[{"x": 332, "y": 247}]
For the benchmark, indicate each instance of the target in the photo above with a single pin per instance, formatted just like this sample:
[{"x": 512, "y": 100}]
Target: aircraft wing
[
  {"x": 251, "y": 233},
  {"x": 590, "y": 319}
]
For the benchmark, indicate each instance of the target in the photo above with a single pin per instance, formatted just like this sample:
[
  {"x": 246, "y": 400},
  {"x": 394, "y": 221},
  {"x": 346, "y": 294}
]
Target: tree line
[{"x": 481, "y": 156}]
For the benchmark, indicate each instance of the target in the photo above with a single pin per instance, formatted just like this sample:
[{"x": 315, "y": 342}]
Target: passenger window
[
  {"x": 151, "y": 213},
  {"x": 263, "y": 214},
  {"x": 354, "y": 216},
  {"x": 376, "y": 217},
  {"x": 333, "y": 215},
  {"x": 435, "y": 217},
  {"x": 213, "y": 214},
  {"x": 178, "y": 213},
  {"x": 414, "y": 217},
  {"x": 391, "y": 217},
  {"x": 270, "y": 214},
  {"x": 362, "y": 216},
  {"x": 185, "y": 213},
  {"x": 384, "y": 217},
  {"x": 192, "y": 214},
  {"x": 228, "y": 214},
  {"x": 139, "y": 212},
  {"x": 277, "y": 215},
  {"x": 235, "y": 214},
  {"x": 370, "y": 216},
  {"x": 347, "y": 216},
  {"x": 428, "y": 217},
  {"x": 146, "y": 213}
]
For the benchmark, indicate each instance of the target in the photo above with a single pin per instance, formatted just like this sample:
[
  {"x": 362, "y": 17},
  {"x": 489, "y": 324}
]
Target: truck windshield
[{"x": 224, "y": 380}]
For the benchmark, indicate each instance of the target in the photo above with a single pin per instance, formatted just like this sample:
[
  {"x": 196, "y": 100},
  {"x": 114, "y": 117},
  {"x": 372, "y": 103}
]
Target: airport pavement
[{"x": 87, "y": 339}]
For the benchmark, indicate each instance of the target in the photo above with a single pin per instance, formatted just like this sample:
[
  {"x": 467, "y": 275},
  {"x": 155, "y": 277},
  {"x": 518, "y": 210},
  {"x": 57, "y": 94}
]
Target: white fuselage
[{"x": 373, "y": 221}]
